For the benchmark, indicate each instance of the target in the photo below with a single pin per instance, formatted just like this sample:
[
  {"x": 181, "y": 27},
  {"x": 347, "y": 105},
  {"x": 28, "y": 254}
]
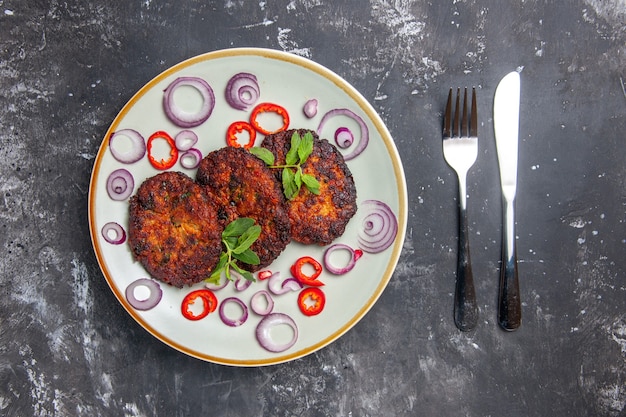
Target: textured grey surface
[{"x": 68, "y": 348}]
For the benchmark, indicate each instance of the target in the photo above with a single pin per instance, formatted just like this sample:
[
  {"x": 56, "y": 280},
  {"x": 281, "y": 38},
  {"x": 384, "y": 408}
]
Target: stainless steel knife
[{"x": 506, "y": 126}]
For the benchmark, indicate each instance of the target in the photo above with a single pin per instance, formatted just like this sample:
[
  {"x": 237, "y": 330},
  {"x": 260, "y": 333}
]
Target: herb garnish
[
  {"x": 292, "y": 176},
  {"x": 237, "y": 238}
]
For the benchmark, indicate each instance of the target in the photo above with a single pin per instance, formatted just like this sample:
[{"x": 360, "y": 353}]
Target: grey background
[{"x": 68, "y": 348}]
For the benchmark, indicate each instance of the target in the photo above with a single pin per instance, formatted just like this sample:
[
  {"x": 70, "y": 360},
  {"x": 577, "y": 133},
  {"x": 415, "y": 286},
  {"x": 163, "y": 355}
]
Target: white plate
[{"x": 289, "y": 81}]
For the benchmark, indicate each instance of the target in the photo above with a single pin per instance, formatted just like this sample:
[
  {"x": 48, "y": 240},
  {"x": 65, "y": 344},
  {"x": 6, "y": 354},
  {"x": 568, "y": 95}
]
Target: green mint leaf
[
  {"x": 297, "y": 179},
  {"x": 216, "y": 275},
  {"x": 248, "y": 256},
  {"x": 246, "y": 274},
  {"x": 247, "y": 239},
  {"x": 301, "y": 147},
  {"x": 305, "y": 148},
  {"x": 237, "y": 238},
  {"x": 312, "y": 184},
  {"x": 237, "y": 227},
  {"x": 230, "y": 241},
  {"x": 263, "y": 154},
  {"x": 221, "y": 263},
  {"x": 290, "y": 188},
  {"x": 292, "y": 156}
]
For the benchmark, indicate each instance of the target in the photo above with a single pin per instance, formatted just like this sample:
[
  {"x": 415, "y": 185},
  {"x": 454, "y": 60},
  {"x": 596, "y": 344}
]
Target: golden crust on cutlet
[
  {"x": 174, "y": 231},
  {"x": 244, "y": 186},
  {"x": 317, "y": 219}
]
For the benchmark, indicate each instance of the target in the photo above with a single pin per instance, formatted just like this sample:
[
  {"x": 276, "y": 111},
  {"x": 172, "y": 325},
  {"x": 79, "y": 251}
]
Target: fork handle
[
  {"x": 509, "y": 300},
  {"x": 465, "y": 307}
]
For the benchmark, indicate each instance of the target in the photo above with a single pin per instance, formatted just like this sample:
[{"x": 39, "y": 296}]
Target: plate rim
[{"x": 364, "y": 106}]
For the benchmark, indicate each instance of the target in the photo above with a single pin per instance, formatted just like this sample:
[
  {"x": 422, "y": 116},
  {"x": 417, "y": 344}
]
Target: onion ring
[
  {"x": 191, "y": 158},
  {"x": 137, "y": 142},
  {"x": 183, "y": 118},
  {"x": 236, "y": 322},
  {"x": 216, "y": 287},
  {"x": 265, "y": 326},
  {"x": 344, "y": 137},
  {"x": 120, "y": 184},
  {"x": 113, "y": 227},
  {"x": 364, "y": 140},
  {"x": 241, "y": 284},
  {"x": 242, "y": 91},
  {"x": 379, "y": 226},
  {"x": 147, "y": 303},
  {"x": 278, "y": 286},
  {"x": 185, "y": 140},
  {"x": 339, "y": 270},
  {"x": 262, "y": 303}
]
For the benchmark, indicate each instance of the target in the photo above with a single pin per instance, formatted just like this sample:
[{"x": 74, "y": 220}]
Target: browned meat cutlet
[
  {"x": 322, "y": 218},
  {"x": 174, "y": 230},
  {"x": 245, "y": 187}
]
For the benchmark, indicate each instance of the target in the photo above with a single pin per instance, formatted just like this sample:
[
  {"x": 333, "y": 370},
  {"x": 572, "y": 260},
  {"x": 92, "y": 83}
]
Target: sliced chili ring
[
  {"x": 269, "y": 108},
  {"x": 297, "y": 269},
  {"x": 162, "y": 164},
  {"x": 236, "y": 128},
  {"x": 311, "y": 301},
  {"x": 209, "y": 304},
  {"x": 265, "y": 274}
]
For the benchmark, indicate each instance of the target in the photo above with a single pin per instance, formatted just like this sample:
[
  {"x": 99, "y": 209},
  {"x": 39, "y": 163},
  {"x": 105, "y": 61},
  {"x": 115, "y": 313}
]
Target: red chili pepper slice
[
  {"x": 264, "y": 274},
  {"x": 209, "y": 304},
  {"x": 298, "y": 273},
  {"x": 269, "y": 108},
  {"x": 236, "y": 128},
  {"x": 162, "y": 164},
  {"x": 311, "y": 301}
]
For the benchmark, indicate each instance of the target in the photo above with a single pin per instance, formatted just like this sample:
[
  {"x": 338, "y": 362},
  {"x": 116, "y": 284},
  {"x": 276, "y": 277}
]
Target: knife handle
[
  {"x": 509, "y": 300},
  {"x": 465, "y": 307}
]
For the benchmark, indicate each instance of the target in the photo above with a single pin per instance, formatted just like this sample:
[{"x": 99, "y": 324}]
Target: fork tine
[
  {"x": 447, "y": 117},
  {"x": 464, "y": 120},
  {"x": 456, "y": 132},
  {"x": 474, "y": 121}
]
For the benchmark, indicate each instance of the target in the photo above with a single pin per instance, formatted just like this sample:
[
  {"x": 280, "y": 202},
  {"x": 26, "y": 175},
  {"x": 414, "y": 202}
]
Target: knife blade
[{"x": 506, "y": 128}]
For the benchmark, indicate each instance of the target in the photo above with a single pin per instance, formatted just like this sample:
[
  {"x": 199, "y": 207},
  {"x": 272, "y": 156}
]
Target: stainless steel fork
[{"x": 460, "y": 149}]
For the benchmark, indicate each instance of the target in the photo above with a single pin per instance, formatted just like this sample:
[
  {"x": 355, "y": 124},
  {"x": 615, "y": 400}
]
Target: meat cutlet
[
  {"x": 174, "y": 231},
  {"x": 317, "y": 219},
  {"x": 243, "y": 186}
]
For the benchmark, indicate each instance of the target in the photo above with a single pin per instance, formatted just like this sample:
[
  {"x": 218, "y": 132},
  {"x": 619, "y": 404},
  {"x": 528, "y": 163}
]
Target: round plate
[{"x": 289, "y": 81}]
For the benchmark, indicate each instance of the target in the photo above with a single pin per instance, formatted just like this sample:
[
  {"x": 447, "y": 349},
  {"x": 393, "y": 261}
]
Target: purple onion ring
[
  {"x": 118, "y": 231},
  {"x": 344, "y": 137},
  {"x": 185, "y": 140},
  {"x": 379, "y": 226},
  {"x": 262, "y": 303},
  {"x": 241, "y": 284},
  {"x": 278, "y": 286},
  {"x": 233, "y": 322},
  {"x": 120, "y": 184},
  {"x": 153, "y": 298},
  {"x": 218, "y": 286},
  {"x": 263, "y": 332},
  {"x": 191, "y": 158},
  {"x": 339, "y": 270},
  {"x": 364, "y": 140},
  {"x": 183, "y": 118},
  {"x": 242, "y": 91},
  {"x": 136, "y": 151}
]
